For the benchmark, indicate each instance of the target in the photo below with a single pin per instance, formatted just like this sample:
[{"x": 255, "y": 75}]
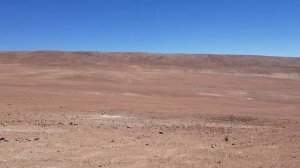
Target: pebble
[
  {"x": 71, "y": 123},
  {"x": 3, "y": 139},
  {"x": 22, "y": 139}
]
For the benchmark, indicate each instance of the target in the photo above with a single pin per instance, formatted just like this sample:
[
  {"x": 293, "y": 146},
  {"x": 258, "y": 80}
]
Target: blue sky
[{"x": 267, "y": 27}]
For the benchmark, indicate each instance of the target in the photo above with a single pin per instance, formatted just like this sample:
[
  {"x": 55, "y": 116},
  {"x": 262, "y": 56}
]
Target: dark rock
[
  {"x": 160, "y": 132},
  {"x": 3, "y": 139},
  {"x": 72, "y": 123}
]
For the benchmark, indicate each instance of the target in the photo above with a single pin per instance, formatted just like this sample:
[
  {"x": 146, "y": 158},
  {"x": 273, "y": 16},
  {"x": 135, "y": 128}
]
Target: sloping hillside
[{"x": 220, "y": 63}]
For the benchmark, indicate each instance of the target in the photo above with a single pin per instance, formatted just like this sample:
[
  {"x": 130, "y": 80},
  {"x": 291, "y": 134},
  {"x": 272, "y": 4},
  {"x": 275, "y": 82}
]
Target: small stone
[
  {"x": 2, "y": 139},
  {"x": 160, "y": 132},
  {"x": 147, "y": 144},
  {"x": 4, "y": 124},
  {"x": 112, "y": 141},
  {"x": 226, "y": 138},
  {"x": 233, "y": 144},
  {"x": 213, "y": 146},
  {"x": 36, "y": 139},
  {"x": 71, "y": 123},
  {"x": 219, "y": 162}
]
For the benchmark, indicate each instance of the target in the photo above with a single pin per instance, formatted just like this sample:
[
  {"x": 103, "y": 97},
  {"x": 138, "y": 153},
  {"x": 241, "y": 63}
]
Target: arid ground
[{"x": 90, "y": 109}]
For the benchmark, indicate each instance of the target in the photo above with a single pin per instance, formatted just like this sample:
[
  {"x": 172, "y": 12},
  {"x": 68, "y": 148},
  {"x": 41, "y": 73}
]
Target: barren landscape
[{"x": 93, "y": 109}]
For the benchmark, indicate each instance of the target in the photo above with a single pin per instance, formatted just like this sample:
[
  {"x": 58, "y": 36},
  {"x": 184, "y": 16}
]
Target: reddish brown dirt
[{"x": 89, "y": 109}]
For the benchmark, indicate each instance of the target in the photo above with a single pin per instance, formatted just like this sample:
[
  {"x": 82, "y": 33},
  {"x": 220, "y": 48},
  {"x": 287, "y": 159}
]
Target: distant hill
[{"x": 218, "y": 63}]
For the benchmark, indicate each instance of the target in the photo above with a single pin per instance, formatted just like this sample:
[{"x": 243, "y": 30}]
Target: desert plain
[{"x": 142, "y": 110}]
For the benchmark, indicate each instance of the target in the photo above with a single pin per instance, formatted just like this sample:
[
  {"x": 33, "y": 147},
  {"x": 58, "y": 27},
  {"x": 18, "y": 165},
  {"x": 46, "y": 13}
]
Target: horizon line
[{"x": 149, "y": 52}]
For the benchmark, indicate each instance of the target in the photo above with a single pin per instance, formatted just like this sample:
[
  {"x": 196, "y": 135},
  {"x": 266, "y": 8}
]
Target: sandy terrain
[{"x": 88, "y": 109}]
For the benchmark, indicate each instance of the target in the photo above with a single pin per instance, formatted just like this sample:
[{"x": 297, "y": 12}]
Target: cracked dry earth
[{"x": 142, "y": 116}]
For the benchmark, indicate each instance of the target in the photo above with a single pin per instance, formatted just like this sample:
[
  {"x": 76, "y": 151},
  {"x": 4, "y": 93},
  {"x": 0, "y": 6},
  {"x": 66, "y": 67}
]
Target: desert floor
[{"x": 136, "y": 115}]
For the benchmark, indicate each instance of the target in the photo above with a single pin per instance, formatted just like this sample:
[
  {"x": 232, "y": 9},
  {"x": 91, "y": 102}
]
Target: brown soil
[{"x": 90, "y": 109}]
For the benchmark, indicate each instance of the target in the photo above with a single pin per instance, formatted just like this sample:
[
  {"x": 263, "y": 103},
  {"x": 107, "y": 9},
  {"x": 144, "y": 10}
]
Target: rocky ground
[{"x": 135, "y": 114}]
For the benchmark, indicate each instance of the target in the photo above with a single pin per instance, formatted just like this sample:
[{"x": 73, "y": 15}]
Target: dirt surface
[{"x": 89, "y": 109}]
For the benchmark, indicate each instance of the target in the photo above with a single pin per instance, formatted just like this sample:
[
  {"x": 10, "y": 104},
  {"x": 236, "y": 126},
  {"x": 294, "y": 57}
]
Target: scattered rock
[
  {"x": 3, "y": 139},
  {"x": 22, "y": 139},
  {"x": 72, "y": 123},
  {"x": 213, "y": 146},
  {"x": 128, "y": 127},
  {"x": 219, "y": 162},
  {"x": 147, "y": 144},
  {"x": 4, "y": 124},
  {"x": 233, "y": 144},
  {"x": 226, "y": 138},
  {"x": 112, "y": 141},
  {"x": 36, "y": 139},
  {"x": 160, "y": 132}
]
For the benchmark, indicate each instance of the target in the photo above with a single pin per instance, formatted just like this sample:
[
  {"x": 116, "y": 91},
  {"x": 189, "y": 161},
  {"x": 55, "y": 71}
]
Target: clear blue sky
[{"x": 269, "y": 27}]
